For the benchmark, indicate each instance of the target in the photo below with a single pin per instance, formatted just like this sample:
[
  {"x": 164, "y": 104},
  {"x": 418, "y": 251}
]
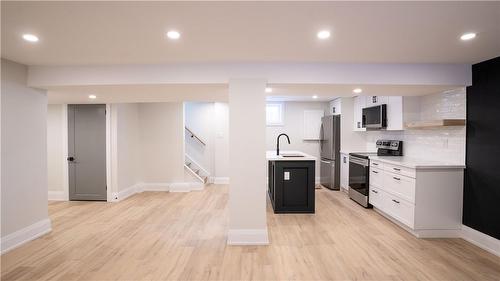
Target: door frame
[{"x": 109, "y": 154}]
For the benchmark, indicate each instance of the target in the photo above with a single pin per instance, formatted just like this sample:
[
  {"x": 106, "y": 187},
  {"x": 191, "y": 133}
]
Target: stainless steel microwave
[{"x": 375, "y": 117}]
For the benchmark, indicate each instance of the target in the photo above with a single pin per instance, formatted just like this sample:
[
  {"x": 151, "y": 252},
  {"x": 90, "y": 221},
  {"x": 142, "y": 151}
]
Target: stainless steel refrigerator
[{"x": 330, "y": 152}]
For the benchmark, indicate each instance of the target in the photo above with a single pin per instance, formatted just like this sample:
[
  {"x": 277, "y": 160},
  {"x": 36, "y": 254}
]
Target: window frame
[{"x": 281, "y": 107}]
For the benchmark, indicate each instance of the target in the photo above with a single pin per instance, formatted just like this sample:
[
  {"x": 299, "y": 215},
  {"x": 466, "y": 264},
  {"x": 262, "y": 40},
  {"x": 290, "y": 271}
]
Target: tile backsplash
[{"x": 443, "y": 144}]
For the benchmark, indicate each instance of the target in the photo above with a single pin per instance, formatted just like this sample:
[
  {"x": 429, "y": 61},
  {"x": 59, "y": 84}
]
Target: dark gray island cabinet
[{"x": 291, "y": 183}]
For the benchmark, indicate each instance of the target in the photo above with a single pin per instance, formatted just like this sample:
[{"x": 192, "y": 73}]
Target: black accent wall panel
[{"x": 482, "y": 176}]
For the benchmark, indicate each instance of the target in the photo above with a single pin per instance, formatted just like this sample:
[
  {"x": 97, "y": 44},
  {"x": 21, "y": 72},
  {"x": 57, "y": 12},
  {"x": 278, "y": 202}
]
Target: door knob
[{"x": 71, "y": 159}]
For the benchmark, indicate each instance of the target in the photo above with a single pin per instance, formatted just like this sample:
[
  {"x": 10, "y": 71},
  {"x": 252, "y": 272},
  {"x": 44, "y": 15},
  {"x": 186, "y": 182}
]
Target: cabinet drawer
[
  {"x": 400, "y": 170},
  {"x": 376, "y": 164},
  {"x": 376, "y": 197},
  {"x": 376, "y": 177},
  {"x": 400, "y": 210},
  {"x": 399, "y": 185}
]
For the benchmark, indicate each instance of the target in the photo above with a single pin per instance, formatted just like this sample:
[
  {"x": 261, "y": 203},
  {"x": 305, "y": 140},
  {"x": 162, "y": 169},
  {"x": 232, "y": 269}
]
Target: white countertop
[
  {"x": 356, "y": 151},
  {"x": 416, "y": 163},
  {"x": 271, "y": 156}
]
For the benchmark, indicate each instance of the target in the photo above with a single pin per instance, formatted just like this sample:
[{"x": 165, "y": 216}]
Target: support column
[{"x": 247, "y": 147}]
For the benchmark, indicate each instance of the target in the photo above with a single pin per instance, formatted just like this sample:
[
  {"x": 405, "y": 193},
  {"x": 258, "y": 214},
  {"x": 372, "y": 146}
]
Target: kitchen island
[{"x": 291, "y": 178}]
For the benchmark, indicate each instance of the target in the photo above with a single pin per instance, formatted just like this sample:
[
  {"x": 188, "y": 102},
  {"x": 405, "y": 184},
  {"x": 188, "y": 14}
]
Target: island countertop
[{"x": 271, "y": 156}]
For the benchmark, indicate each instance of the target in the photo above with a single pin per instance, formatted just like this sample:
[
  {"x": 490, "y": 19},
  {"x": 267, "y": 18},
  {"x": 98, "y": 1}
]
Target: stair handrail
[{"x": 193, "y": 135}]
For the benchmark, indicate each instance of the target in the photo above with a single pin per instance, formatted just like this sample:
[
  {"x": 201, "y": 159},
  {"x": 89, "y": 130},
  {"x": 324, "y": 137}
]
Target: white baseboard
[
  {"x": 25, "y": 235},
  {"x": 57, "y": 196},
  {"x": 180, "y": 187},
  {"x": 481, "y": 240},
  {"x": 247, "y": 237},
  {"x": 163, "y": 186},
  {"x": 220, "y": 180},
  {"x": 196, "y": 186},
  {"x": 437, "y": 233},
  {"x": 129, "y": 191}
]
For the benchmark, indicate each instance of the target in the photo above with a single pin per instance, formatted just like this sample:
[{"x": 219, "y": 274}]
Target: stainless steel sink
[{"x": 291, "y": 155}]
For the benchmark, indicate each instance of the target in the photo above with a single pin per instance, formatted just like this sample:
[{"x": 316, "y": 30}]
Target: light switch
[{"x": 286, "y": 176}]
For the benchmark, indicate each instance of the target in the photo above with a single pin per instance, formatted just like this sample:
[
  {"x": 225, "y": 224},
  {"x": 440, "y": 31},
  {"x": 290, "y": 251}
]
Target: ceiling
[
  {"x": 219, "y": 92},
  {"x": 122, "y": 32}
]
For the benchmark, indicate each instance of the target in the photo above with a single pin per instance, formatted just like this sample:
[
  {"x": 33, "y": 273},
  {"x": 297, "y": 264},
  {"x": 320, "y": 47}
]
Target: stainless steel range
[{"x": 359, "y": 169}]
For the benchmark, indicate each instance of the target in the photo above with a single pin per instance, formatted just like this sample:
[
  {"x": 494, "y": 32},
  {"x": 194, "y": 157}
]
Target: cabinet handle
[
  {"x": 375, "y": 172},
  {"x": 397, "y": 169},
  {"x": 374, "y": 191},
  {"x": 375, "y": 164},
  {"x": 398, "y": 179},
  {"x": 395, "y": 201}
]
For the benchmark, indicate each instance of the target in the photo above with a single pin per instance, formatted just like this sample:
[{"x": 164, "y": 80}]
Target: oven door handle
[{"x": 359, "y": 162}]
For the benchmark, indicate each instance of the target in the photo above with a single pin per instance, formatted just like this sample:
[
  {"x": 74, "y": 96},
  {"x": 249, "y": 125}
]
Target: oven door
[{"x": 359, "y": 169}]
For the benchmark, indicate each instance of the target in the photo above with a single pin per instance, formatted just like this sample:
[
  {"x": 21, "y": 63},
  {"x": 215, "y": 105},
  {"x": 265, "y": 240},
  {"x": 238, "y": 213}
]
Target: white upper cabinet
[
  {"x": 336, "y": 106},
  {"x": 359, "y": 104},
  {"x": 395, "y": 113},
  {"x": 399, "y": 110},
  {"x": 376, "y": 100},
  {"x": 312, "y": 124}
]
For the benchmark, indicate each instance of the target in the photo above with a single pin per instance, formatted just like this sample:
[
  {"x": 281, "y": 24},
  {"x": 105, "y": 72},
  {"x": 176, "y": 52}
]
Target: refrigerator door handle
[
  {"x": 321, "y": 138},
  {"x": 333, "y": 179}
]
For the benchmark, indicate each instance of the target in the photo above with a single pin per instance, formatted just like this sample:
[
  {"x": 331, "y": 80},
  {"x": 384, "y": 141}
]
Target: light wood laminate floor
[{"x": 159, "y": 235}]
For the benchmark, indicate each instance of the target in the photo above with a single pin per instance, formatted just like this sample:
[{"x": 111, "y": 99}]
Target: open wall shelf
[{"x": 434, "y": 123}]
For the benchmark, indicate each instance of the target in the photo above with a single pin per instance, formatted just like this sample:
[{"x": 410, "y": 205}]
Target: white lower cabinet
[
  {"x": 401, "y": 186},
  {"x": 428, "y": 204},
  {"x": 344, "y": 171},
  {"x": 400, "y": 209},
  {"x": 376, "y": 197}
]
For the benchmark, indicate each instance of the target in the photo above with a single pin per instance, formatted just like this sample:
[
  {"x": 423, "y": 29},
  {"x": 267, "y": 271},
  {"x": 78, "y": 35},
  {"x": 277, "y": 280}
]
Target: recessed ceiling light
[
  {"x": 269, "y": 90},
  {"x": 173, "y": 34},
  {"x": 314, "y": 97},
  {"x": 30, "y": 38},
  {"x": 92, "y": 97},
  {"x": 357, "y": 90},
  {"x": 323, "y": 34},
  {"x": 468, "y": 36}
]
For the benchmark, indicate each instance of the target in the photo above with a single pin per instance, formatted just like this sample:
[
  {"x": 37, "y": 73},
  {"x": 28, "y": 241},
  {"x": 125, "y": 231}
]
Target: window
[{"x": 274, "y": 114}]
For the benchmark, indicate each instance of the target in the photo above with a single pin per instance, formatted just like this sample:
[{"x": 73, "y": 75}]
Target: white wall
[
  {"x": 127, "y": 145},
  {"x": 446, "y": 143},
  {"x": 199, "y": 118},
  {"x": 293, "y": 127},
  {"x": 24, "y": 156},
  {"x": 247, "y": 144},
  {"x": 56, "y": 158},
  {"x": 162, "y": 142},
  {"x": 221, "y": 141}
]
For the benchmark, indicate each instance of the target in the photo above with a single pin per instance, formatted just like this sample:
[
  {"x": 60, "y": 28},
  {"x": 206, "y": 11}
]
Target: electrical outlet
[{"x": 286, "y": 176}]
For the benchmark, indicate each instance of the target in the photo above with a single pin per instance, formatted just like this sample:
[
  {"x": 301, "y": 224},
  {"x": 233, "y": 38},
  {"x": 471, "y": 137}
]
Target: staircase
[{"x": 194, "y": 169}]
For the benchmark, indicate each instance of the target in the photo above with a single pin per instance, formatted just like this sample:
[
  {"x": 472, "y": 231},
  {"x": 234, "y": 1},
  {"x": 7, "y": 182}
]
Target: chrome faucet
[{"x": 278, "y": 142}]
